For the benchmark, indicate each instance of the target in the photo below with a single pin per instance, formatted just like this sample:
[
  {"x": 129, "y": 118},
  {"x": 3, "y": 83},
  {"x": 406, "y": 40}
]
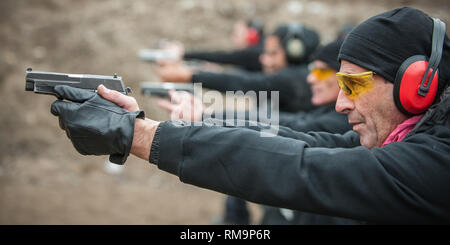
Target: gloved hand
[{"x": 94, "y": 125}]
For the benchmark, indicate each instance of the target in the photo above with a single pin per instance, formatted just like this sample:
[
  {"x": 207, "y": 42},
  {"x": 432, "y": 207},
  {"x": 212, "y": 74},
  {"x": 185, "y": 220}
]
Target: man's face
[
  {"x": 324, "y": 85},
  {"x": 273, "y": 59},
  {"x": 372, "y": 114}
]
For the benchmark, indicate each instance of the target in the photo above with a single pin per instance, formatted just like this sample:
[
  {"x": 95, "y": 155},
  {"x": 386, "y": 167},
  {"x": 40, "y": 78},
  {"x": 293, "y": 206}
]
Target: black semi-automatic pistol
[{"x": 42, "y": 82}]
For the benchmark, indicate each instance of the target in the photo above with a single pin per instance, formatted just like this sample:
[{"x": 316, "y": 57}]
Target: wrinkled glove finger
[
  {"x": 73, "y": 94},
  {"x": 58, "y": 107},
  {"x": 61, "y": 124},
  {"x": 117, "y": 158}
]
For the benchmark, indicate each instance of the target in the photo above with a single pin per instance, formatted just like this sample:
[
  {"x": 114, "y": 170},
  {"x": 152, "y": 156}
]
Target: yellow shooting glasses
[
  {"x": 355, "y": 84},
  {"x": 322, "y": 73}
]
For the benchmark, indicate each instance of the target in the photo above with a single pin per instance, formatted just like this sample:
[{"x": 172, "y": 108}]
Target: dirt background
[{"x": 43, "y": 180}]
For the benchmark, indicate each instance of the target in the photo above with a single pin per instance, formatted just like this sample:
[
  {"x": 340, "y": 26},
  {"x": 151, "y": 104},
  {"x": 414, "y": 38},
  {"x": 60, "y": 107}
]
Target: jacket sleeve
[
  {"x": 246, "y": 58},
  {"x": 350, "y": 139},
  {"x": 384, "y": 185},
  {"x": 332, "y": 122}
]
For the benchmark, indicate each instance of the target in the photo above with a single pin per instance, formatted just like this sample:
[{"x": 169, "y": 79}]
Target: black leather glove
[{"x": 94, "y": 125}]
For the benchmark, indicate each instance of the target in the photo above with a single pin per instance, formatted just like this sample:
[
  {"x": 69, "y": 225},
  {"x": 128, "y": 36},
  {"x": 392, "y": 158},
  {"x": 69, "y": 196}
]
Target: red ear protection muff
[
  {"x": 416, "y": 82},
  {"x": 253, "y": 37},
  {"x": 255, "y": 31}
]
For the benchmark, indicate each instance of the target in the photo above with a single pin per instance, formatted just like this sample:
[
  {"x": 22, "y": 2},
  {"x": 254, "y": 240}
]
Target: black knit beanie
[
  {"x": 383, "y": 42},
  {"x": 311, "y": 40},
  {"x": 329, "y": 54}
]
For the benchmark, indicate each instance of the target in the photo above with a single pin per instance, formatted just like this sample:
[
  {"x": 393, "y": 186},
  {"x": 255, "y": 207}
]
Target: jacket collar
[{"x": 435, "y": 115}]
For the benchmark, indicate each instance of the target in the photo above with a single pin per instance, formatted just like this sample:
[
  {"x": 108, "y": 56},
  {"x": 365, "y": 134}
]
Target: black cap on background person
[{"x": 329, "y": 54}]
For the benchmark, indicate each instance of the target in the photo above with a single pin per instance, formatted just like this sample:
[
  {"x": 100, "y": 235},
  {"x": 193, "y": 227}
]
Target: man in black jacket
[
  {"x": 392, "y": 168},
  {"x": 286, "y": 54}
]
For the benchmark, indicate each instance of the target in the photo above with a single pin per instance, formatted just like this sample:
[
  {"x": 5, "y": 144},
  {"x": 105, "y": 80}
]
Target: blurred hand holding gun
[{"x": 161, "y": 89}]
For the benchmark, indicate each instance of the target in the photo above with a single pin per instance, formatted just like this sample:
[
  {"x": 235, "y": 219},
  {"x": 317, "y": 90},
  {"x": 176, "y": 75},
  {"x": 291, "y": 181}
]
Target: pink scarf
[{"x": 402, "y": 130}]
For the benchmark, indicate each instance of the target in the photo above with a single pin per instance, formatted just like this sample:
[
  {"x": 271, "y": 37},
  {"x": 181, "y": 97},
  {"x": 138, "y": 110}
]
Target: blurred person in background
[
  {"x": 248, "y": 39},
  {"x": 287, "y": 51}
]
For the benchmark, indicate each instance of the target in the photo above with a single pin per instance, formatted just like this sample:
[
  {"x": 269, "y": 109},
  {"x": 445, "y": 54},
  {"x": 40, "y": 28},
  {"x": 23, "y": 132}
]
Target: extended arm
[{"x": 246, "y": 58}]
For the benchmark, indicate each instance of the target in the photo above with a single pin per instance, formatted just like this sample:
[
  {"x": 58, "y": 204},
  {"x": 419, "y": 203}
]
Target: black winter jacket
[
  {"x": 323, "y": 118},
  {"x": 404, "y": 182}
]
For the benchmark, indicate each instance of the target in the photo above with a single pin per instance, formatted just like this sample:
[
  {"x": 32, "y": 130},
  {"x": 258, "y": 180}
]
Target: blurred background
[{"x": 43, "y": 180}]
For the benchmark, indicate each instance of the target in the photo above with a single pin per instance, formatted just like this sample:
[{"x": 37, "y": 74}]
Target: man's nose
[
  {"x": 311, "y": 78},
  {"x": 344, "y": 105}
]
